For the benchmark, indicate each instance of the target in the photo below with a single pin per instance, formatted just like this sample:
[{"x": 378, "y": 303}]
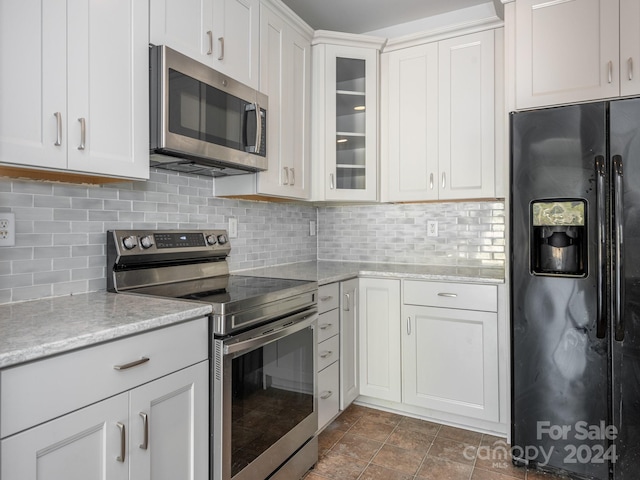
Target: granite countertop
[
  {"x": 39, "y": 328},
  {"x": 331, "y": 271}
]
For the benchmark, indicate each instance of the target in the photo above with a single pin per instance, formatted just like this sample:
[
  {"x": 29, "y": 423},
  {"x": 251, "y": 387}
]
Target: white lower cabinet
[
  {"x": 379, "y": 322},
  {"x": 431, "y": 348},
  {"x": 158, "y": 429},
  {"x": 338, "y": 379}
]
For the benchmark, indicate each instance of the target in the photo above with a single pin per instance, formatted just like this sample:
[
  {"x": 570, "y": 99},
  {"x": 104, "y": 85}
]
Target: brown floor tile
[
  {"x": 418, "y": 425},
  {"x": 357, "y": 447},
  {"x": 328, "y": 438},
  {"x": 351, "y": 415},
  {"x": 339, "y": 467},
  {"x": 410, "y": 439},
  {"x": 451, "y": 450},
  {"x": 376, "y": 472},
  {"x": 380, "y": 416},
  {"x": 460, "y": 435},
  {"x": 372, "y": 429},
  {"x": 405, "y": 461},
  {"x": 435, "y": 468},
  {"x": 479, "y": 474},
  {"x": 313, "y": 476},
  {"x": 494, "y": 455}
]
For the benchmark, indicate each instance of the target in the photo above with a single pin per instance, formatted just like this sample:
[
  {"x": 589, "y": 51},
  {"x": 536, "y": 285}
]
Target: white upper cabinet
[
  {"x": 285, "y": 77},
  {"x": 74, "y": 96},
  {"x": 345, "y": 117},
  {"x": 439, "y": 126},
  {"x": 223, "y": 34},
  {"x": 629, "y": 47},
  {"x": 570, "y": 51}
]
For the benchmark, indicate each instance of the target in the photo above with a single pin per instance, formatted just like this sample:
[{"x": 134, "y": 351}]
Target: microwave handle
[{"x": 258, "y": 128}]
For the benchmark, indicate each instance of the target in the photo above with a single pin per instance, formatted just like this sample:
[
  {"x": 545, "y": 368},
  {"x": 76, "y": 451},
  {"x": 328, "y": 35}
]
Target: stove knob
[
  {"x": 211, "y": 239},
  {"x": 146, "y": 241},
  {"x": 130, "y": 242},
  {"x": 222, "y": 239}
]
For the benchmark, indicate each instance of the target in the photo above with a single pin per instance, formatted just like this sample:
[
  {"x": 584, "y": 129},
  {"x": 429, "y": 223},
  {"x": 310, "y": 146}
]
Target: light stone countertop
[
  {"x": 331, "y": 271},
  {"x": 39, "y": 328}
]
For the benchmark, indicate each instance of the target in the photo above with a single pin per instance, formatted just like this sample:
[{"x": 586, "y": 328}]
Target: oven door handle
[{"x": 294, "y": 324}]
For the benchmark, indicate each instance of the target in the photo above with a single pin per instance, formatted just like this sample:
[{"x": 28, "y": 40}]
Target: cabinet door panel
[
  {"x": 79, "y": 446},
  {"x": 33, "y": 82},
  {"x": 564, "y": 49},
  {"x": 467, "y": 144},
  {"x": 450, "y": 361},
  {"x": 413, "y": 123},
  {"x": 236, "y": 45},
  {"x": 380, "y": 367},
  {"x": 108, "y": 78},
  {"x": 176, "y": 407},
  {"x": 629, "y": 47},
  {"x": 349, "y": 336}
]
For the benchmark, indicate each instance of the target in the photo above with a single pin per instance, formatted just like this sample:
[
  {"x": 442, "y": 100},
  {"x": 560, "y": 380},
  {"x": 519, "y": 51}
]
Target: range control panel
[{"x": 168, "y": 242}]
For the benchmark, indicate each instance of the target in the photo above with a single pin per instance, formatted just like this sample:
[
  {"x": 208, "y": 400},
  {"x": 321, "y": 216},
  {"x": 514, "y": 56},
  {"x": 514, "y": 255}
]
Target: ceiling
[{"x": 360, "y": 16}]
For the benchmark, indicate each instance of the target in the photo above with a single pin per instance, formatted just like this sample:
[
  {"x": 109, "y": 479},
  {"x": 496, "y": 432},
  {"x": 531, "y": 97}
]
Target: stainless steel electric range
[{"x": 263, "y": 340}]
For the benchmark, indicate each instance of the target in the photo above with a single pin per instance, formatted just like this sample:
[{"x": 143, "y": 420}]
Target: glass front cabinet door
[{"x": 347, "y": 159}]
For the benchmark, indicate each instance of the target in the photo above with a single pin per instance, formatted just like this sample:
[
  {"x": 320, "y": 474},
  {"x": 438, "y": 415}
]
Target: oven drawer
[
  {"x": 328, "y": 325},
  {"x": 328, "y": 297},
  {"x": 328, "y": 352},
  {"x": 328, "y": 394},
  {"x": 39, "y": 391},
  {"x": 466, "y": 296}
]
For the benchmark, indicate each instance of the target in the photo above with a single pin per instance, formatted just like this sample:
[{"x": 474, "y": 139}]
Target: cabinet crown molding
[
  {"x": 281, "y": 8},
  {"x": 443, "y": 33},
  {"x": 348, "y": 39}
]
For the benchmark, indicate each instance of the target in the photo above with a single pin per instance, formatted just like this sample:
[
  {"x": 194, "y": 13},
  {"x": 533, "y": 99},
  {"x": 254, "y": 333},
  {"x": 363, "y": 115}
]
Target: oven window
[
  {"x": 200, "y": 111},
  {"x": 272, "y": 393}
]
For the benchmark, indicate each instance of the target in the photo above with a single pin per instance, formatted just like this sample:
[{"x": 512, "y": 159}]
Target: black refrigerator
[{"x": 575, "y": 289}]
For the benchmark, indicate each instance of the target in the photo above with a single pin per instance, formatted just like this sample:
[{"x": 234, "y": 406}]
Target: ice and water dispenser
[{"x": 559, "y": 238}]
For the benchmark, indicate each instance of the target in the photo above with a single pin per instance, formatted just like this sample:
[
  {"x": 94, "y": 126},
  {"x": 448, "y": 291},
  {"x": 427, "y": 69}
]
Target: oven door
[{"x": 264, "y": 397}]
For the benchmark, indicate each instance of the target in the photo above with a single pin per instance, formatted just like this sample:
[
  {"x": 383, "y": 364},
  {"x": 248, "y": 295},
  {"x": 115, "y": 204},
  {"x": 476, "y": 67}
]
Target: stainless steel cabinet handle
[
  {"x": 347, "y": 302},
  {"x": 630, "y": 68},
  {"x": 408, "y": 325},
  {"x": 324, "y": 326},
  {"x": 123, "y": 442},
  {"x": 83, "y": 133},
  {"x": 210, "y": 35},
  {"x": 326, "y": 394},
  {"x": 332, "y": 184},
  {"x": 145, "y": 425},
  {"x": 135, "y": 363},
  {"x": 286, "y": 176},
  {"x": 326, "y": 353},
  {"x": 293, "y": 176},
  {"x": 445, "y": 294},
  {"x": 431, "y": 181},
  {"x": 610, "y": 71},
  {"x": 444, "y": 180},
  {"x": 58, "y": 141},
  {"x": 221, "y": 42}
]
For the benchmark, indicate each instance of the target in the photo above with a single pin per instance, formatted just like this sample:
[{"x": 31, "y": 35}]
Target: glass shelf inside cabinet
[{"x": 350, "y": 124}]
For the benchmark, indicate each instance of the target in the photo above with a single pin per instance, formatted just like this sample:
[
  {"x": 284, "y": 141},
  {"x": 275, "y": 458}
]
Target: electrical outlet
[
  {"x": 7, "y": 229},
  {"x": 233, "y": 227},
  {"x": 432, "y": 228},
  {"x": 312, "y": 228}
]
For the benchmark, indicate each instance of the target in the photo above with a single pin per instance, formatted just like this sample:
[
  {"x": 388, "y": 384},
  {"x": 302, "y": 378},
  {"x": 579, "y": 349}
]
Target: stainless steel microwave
[{"x": 202, "y": 121}]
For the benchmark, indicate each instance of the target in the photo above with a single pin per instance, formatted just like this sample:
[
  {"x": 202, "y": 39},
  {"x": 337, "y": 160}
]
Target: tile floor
[{"x": 368, "y": 444}]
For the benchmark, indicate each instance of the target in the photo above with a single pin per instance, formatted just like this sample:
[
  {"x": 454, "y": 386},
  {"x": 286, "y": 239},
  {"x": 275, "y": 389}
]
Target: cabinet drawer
[
  {"x": 328, "y": 394},
  {"x": 465, "y": 296},
  {"x": 36, "y": 392},
  {"x": 328, "y": 325},
  {"x": 328, "y": 352},
  {"x": 328, "y": 297}
]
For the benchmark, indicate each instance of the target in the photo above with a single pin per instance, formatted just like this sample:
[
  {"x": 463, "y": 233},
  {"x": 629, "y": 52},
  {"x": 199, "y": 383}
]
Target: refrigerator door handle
[
  {"x": 618, "y": 245},
  {"x": 601, "y": 322}
]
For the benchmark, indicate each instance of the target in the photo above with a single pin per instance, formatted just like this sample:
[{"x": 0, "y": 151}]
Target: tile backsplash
[{"x": 61, "y": 242}]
